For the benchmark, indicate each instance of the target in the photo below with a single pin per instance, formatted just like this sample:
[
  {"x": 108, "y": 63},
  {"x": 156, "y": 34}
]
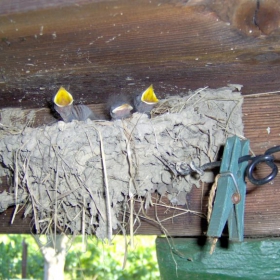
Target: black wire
[
  {"x": 266, "y": 158},
  {"x": 269, "y": 161},
  {"x": 211, "y": 165},
  {"x": 272, "y": 150}
]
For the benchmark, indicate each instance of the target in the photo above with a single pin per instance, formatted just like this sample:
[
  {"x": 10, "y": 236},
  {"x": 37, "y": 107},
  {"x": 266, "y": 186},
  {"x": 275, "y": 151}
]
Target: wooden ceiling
[{"x": 99, "y": 48}]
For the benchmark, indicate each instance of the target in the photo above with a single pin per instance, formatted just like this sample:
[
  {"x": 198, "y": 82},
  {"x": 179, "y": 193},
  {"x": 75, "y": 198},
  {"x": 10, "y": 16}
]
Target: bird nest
[{"x": 81, "y": 177}]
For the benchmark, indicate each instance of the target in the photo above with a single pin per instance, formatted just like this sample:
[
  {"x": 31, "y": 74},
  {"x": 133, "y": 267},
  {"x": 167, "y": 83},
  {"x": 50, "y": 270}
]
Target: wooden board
[
  {"x": 191, "y": 259},
  {"x": 107, "y": 47},
  {"x": 102, "y": 48}
]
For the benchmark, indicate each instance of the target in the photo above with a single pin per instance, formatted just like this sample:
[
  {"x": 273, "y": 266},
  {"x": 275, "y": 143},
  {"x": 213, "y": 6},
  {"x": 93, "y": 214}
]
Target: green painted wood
[
  {"x": 252, "y": 259},
  {"x": 224, "y": 209}
]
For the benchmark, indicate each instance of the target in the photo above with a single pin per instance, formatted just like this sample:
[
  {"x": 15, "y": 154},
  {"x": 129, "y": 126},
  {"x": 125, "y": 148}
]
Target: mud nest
[{"x": 79, "y": 177}]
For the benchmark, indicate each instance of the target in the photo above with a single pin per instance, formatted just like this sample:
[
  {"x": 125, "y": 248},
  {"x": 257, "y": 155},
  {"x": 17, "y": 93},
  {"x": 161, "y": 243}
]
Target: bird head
[
  {"x": 149, "y": 96},
  {"x": 119, "y": 106},
  {"x": 121, "y": 112},
  {"x": 63, "y": 98},
  {"x": 63, "y": 104},
  {"x": 145, "y": 102}
]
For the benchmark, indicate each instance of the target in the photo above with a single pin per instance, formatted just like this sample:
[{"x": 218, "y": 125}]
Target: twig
[
  {"x": 231, "y": 113},
  {"x": 14, "y": 214},
  {"x": 167, "y": 239},
  {"x": 125, "y": 244},
  {"x": 83, "y": 225},
  {"x": 33, "y": 198},
  {"x": 131, "y": 223},
  {"x": 192, "y": 96},
  {"x": 179, "y": 209},
  {"x": 260, "y": 94},
  {"x": 110, "y": 230},
  {"x": 210, "y": 208},
  {"x": 16, "y": 175},
  {"x": 56, "y": 183}
]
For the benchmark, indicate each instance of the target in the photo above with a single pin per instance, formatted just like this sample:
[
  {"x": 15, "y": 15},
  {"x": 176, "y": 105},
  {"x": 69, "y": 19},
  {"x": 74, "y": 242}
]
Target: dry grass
[{"x": 55, "y": 217}]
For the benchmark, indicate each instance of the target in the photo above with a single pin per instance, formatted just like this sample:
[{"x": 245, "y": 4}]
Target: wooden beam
[
  {"x": 102, "y": 48},
  {"x": 190, "y": 258},
  {"x": 106, "y": 47}
]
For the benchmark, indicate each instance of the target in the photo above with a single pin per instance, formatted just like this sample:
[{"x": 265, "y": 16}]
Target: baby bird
[
  {"x": 119, "y": 106},
  {"x": 145, "y": 102},
  {"x": 63, "y": 104}
]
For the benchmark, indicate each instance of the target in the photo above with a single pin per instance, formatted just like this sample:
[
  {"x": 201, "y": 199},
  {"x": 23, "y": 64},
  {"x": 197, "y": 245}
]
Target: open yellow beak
[
  {"x": 63, "y": 98},
  {"x": 122, "y": 108},
  {"x": 149, "y": 96}
]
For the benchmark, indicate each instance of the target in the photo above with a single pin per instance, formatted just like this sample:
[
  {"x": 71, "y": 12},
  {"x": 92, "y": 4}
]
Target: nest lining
[{"x": 73, "y": 176}]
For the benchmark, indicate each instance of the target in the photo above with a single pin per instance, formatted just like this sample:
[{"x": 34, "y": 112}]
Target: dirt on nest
[{"x": 73, "y": 176}]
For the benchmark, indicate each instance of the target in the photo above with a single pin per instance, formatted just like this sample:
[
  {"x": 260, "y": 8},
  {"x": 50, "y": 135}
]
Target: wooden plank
[
  {"x": 262, "y": 215},
  {"x": 109, "y": 47},
  {"x": 191, "y": 259},
  {"x": 19, "y": 6}
]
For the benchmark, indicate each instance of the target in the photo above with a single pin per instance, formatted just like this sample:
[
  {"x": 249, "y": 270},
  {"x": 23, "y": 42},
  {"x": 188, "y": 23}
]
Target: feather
[{"x": 63, "y": 104}]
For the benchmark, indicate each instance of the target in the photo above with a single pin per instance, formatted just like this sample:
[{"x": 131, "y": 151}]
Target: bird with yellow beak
[
  {"x": 145, "y": 102},
  {"x": 120, "y": 107},
  {"x": 63, "y": 104}
]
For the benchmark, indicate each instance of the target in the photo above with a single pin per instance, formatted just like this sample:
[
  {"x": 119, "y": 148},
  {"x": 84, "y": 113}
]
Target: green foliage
[
  {"x": 99, "y": 260},
  {"x": 105, "y": 261},
  {"x": 10, "y": 257}
]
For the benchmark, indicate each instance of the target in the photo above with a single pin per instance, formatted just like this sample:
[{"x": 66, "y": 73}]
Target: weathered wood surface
[
  {"x": 193, "y": 260},
  {"x": 107, "y": 47},
  {"x": 99, "y": 48}
]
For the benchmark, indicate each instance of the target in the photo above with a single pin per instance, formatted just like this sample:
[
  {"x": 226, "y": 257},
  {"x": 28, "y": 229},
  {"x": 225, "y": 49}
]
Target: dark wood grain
[
  {"x": 100, "y": 48},
  {"x": 106, "y": 47}
]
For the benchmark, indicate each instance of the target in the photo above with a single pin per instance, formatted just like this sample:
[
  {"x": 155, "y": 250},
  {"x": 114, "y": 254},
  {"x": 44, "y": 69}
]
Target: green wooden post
[{"x": 252, "y": 259}]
